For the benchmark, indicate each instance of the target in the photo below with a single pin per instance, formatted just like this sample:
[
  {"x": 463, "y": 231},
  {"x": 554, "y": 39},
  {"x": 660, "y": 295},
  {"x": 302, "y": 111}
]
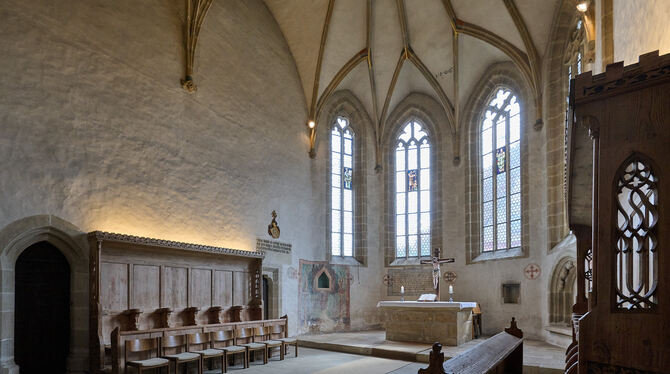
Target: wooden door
[{"x": 42, "y": 319}]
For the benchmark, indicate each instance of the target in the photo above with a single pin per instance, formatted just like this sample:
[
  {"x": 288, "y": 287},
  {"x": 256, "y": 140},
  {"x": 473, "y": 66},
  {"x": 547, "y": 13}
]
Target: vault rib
[
  {"x": 317, "y": 72},
  {"x": 389, "y": 93},
  {"x": 196, "y": 10},
  {"x": 402, "y": 18},
  {"x": 520, "y": 59},
  {"x": 373, "y": 86},
  {"x": 534, "y": 59},
  {"x": 337, "y": 79}
]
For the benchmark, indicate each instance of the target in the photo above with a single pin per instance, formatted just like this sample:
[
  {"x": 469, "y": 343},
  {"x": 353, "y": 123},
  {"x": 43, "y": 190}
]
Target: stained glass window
[
  {"x": 412, "y": 190},
  {"x": 501, "y": 190},
  {"x": 342, "y": 188}
]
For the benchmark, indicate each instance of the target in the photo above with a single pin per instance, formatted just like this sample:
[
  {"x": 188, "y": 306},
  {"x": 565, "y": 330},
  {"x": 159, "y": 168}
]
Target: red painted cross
[{"x": 532, "y": 271}]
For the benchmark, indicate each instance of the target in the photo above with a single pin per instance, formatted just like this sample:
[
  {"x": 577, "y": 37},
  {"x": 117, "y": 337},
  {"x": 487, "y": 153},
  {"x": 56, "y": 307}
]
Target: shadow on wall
[{"x": 323, "y": 297}]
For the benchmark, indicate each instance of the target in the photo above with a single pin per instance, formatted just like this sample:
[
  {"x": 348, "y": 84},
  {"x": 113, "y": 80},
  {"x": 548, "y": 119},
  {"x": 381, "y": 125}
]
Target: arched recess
[
  {"x": 562, "y": 291},
  {"x": 429, "y": 113},
  {"x": 556, "y": 91},
  {"x": 344, "y": 103},
  {"x": 499, "y": 75},
  {"x": 71, "y": 242}
]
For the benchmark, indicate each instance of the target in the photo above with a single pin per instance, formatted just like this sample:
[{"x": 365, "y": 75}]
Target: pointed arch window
[
  {"x": 501, "y": 173},
  {"x": 342, "y": 188},
  {"x": 412, "y": 192}
]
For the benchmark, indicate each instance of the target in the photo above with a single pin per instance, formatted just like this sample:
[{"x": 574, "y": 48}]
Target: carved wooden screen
[
  {"x": 636, "y": 243},
  {"x": 627, "y": 113}
]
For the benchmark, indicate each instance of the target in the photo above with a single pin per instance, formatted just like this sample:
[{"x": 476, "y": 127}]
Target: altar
[{"x": 449, "y": 323}]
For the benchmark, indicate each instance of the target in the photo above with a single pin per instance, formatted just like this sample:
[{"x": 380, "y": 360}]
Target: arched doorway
[{"x": 42, "y": 310}]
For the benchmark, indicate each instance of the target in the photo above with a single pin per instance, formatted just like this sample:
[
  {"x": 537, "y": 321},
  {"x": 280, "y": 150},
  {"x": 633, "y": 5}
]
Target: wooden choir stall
[
  {"x": 621, "y": 319},
  {"x": 150, "y": 288}
]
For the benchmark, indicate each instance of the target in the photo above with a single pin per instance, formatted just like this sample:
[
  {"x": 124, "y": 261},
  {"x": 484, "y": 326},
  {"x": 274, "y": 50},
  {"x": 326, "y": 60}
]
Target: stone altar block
[{"x": 449, "y": 323}]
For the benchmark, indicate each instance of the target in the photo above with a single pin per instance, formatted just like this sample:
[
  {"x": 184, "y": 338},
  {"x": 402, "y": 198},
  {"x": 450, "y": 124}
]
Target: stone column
[{"x": 7, "y": 364}]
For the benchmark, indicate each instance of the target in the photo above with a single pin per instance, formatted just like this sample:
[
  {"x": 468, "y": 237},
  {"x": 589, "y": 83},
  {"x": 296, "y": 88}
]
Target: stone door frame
[{"x": 14, "y": 239}]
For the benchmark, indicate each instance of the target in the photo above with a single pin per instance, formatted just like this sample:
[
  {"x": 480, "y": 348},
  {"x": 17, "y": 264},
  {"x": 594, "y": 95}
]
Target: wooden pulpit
[{"x": 627, "y": 113}]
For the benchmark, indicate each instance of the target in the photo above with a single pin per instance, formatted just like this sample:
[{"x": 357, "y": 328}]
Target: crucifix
[{"x": 436, "y": 261}]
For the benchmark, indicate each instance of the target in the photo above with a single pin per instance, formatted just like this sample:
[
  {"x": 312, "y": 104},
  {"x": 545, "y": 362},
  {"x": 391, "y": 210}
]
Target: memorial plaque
[{"x": 272, "y": 246}]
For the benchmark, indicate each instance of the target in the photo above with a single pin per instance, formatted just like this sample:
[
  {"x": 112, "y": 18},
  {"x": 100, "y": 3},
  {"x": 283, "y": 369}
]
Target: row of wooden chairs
[{"x": 199, "y": 347}]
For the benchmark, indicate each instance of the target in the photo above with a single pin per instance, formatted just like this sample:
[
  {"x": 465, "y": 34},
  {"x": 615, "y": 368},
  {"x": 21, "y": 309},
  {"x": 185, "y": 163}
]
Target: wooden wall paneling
[
  {"x": 176, "y": 285},
  {"x": 146, "y": 293},
  {"x": 200, "y": 289},
  {"x": 148, "y": 274},
  {"x": 240, "y": 287},
  {"x": 222, "y": 288},
  {"x": 146, "y": 287},
  {"x": 114, "y": 293}
]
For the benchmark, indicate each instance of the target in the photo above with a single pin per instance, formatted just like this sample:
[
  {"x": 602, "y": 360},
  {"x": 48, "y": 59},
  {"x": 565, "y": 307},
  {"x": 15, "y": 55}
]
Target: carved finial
[
  {"x": 514, "y": 330},
  {"x": 435, "y": 361}
]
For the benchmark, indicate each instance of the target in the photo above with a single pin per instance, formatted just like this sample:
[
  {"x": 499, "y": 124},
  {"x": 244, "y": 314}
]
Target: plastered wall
[
  {"x": 97, "y": 130},
  {"x": 640, "y": 26}
]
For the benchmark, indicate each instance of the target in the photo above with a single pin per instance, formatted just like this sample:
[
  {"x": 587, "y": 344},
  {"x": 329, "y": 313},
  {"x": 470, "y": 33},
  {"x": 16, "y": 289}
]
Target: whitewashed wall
[
  {"x": 95, "y": 128},
  {"x": 640, "y": 27}
]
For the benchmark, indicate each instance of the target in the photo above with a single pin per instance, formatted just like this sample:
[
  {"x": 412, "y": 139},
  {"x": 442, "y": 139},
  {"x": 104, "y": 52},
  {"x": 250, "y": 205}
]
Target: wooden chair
[
  {"x": 225, "y": 341},
  {"x": 246, "y": 334},
  {"x": 206, "y": 351},
  {"x": 279, "y": 333},
  {"x": 179, "y": 343},
  {"x": 145, "y": 345},
  {"x": 264, "y": 335}
]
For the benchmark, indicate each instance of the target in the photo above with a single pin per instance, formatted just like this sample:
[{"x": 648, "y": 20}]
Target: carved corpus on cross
[{"x": 436, "y": 261}]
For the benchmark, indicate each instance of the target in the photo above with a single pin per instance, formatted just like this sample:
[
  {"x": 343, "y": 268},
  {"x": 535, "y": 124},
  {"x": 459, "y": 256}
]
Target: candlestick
[
  {"x": 451, "y": 293},
  {"x": 451, "y": 289},
  {"x": 402, "y": 293}
]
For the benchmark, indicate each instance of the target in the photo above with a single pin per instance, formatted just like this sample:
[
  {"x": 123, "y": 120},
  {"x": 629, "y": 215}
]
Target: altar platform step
[{"x": 538, "y": 357}]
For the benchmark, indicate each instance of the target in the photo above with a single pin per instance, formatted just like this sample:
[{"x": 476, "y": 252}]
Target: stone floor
[
  {"x": 538, "y": 356},
  {"x": 317, "y": 361}
]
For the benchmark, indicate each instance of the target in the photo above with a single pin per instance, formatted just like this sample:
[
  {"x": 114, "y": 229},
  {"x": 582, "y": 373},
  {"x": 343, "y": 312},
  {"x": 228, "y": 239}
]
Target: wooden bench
[
  {"x": 500, "y": 354},
  {"x": 119, "y": 337}
]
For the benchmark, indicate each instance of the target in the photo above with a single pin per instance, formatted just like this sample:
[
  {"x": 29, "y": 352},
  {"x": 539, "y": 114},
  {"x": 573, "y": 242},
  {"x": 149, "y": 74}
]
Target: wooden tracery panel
[{"x": 636, "y": 241}]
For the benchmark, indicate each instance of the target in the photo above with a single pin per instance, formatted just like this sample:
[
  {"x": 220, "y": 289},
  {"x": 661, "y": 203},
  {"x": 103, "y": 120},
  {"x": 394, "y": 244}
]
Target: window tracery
[
  {"x": 342, "y": 188},
  {"x": 501, "y": 173},
  {"x": 412, "y": 192}
]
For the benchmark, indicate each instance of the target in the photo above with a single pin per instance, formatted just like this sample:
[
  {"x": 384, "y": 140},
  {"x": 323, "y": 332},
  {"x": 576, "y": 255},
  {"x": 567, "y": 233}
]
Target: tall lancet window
[
  {"x": 501, "y": 173},
  {"x": 342, "y": 188},
  {"x": 412, "y": 187}
]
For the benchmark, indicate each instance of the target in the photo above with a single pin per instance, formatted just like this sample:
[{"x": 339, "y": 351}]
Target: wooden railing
[{"x": 503, "y": 353}]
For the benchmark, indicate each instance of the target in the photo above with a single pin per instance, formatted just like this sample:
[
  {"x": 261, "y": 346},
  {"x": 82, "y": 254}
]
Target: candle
[
  {"x": 402, "y": 289},
  {"x": 451, "y": 289}
]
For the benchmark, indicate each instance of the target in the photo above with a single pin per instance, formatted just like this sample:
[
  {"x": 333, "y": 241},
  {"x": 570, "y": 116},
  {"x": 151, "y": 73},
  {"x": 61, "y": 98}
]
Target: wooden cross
[{"x": 436, "y": 261}]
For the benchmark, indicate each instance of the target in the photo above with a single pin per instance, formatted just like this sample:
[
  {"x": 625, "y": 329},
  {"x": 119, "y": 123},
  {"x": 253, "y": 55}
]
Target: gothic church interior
[{"x": 180, "y": 173}]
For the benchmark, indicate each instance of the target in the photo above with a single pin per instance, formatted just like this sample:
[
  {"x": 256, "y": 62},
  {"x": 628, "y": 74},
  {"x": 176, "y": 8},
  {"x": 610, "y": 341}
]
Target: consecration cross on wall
[{"x": 436, "y": 261}]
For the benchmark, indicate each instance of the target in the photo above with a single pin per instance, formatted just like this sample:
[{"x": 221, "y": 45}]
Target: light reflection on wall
[{"x": 167, "y": 230}]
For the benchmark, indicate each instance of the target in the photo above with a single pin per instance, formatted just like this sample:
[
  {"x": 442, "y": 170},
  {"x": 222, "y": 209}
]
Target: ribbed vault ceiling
[{"x": 382, "y": 50}]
